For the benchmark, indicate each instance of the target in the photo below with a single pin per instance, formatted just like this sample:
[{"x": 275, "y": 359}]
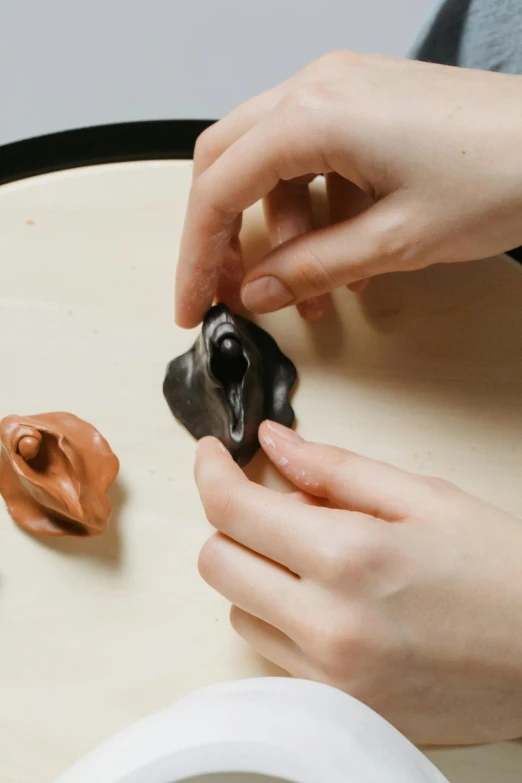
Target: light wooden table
[{"x": 425, "y": 372}]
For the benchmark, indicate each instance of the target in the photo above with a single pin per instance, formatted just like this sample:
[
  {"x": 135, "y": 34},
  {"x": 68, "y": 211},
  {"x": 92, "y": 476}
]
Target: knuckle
[
  {"x": 204, "y": 150},
  {"x": 334, "y": 562},
  {"x": 308, "y": 99},
  {"x": 235, "y": 619},
  {"x": 201, "y": 190},
  {"x": 339, "y": 59},
  {"x": 352, "y": 559},
  {"x": 239, "y": 621},
  {"x": 313, "y": 275},
  {"x": 219, "y": 503},
  {"x": 391, "y": 237},
  {"x": 206, "y": 196},
  {"x": 342, "y": 463},
  {"x": 331, "y": 649},
  {"x": 338, "y": 646},
  {"x": 396, "y": 241},
  {"x": 326, "y": 641},
  {"x": 209, "y": 559},
  {"x": 438, "y": 486}
]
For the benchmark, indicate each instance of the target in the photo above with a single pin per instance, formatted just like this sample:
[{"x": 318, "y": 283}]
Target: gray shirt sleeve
[{"x": 485, "y": 34}]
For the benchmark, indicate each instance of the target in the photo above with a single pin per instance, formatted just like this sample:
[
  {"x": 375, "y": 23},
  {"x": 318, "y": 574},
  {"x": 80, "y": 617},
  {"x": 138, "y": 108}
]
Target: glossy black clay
[{"x": 232, "y": 379}]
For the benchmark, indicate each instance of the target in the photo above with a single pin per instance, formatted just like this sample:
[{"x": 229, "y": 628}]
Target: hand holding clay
[
  {"x": 401, "y": 590},
  {"x": 55, "y": 470},
  {"x": 422, "y": 166}
]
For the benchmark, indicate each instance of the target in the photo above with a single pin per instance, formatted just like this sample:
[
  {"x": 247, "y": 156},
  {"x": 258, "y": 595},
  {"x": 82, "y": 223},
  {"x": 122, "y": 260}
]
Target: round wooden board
[{"x": 424, "y": 371}]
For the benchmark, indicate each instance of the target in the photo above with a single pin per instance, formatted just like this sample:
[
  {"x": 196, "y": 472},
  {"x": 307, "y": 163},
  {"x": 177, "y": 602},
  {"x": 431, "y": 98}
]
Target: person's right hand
[{"x": 423, "y": 166}]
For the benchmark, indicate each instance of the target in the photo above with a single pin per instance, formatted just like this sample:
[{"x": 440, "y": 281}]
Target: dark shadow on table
[
  {"x": 438, "y": 322},
  {"x": 106, "y": 549}
]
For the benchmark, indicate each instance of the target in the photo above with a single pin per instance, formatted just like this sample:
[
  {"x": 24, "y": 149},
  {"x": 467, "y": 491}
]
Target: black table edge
[{"x": 96, "y": 145}]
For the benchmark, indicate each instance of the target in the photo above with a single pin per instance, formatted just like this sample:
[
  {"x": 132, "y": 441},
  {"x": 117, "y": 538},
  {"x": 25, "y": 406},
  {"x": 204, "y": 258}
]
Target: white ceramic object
[{"x": 254, "y": 730}]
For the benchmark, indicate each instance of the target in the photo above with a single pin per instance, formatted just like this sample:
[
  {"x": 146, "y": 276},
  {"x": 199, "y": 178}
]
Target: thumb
[
  {"x": 347, "y": 480},
  {"x": 318, "y": 262}
]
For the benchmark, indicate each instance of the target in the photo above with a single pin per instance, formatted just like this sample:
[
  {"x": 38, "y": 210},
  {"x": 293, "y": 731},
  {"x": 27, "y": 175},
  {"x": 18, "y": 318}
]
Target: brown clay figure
[{"x": 55, "y": 470}]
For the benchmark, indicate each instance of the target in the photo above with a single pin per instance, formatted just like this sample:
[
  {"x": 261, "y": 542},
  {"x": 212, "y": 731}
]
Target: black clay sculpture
[{"x": 232, "y": 379}]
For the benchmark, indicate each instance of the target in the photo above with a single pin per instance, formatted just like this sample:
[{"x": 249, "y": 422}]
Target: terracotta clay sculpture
[
  {"x": 232, "y": 379},
  {"x": 55, "y": 470}
]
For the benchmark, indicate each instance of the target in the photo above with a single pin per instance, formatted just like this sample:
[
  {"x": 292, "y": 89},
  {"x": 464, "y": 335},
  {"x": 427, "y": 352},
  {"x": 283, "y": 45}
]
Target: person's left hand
[{"x": 401, "y": 590}]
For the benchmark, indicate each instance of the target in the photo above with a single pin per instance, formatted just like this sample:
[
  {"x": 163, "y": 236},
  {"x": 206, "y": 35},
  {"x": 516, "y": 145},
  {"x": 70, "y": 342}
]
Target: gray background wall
[{"x": 71, "y": 63}]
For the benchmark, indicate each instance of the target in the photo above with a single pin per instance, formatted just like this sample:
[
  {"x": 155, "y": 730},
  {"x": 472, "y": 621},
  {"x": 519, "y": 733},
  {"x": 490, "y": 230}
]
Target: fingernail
[
  {"x": 223, "y": 448},
  {"x": 284, "y": 432},
  {"x": 314, "y": 309},
  {"x": 359, "y": 286},
  {"x": 266, "y": 295},
  {"x": 217, "y": 442}
]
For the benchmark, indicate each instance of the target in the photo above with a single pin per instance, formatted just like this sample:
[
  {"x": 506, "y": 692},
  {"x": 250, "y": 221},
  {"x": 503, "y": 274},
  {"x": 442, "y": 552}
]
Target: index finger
[
  {"x": 277, "y": 526},
  {"x": 273, "y": 150}
]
